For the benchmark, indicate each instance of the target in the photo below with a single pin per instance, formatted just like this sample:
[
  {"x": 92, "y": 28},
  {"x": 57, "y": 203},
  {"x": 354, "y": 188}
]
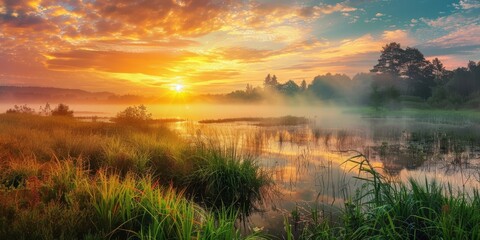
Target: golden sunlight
[
  {"x": 289, "y": 112},
  {"x": 178, "y": 87}
]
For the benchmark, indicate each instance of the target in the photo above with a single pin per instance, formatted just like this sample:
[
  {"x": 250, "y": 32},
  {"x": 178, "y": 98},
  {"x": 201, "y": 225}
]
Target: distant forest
[{"x": 402, "y": 78}]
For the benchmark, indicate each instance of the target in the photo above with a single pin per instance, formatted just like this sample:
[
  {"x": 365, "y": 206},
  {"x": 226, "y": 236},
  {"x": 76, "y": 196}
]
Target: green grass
[
  {"x": 223, "y": 178},
  {"x": 65, "y": 179},
  {"x": 413, "y": 210}
]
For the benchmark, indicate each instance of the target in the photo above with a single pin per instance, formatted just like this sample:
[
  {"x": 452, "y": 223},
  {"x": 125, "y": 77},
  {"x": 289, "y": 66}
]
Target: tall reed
[{"x": 415, "y": 210}]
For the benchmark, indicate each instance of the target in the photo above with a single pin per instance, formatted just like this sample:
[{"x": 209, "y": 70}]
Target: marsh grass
[
  {"x": 16, "y": 172},
  {"x": 414, "y": 210},
  {"x": 65, "y": 179},
  {"x": 223, "y": 178},
  {"x": 113, "y": 201},
  {"x": 48, "y": 206}
]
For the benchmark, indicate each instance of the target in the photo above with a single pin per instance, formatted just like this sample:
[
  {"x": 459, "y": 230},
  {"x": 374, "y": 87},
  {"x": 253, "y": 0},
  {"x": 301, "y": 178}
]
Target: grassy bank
[
  {"x": 65, "y": 179},
  {"x": 385, "y": 210}
]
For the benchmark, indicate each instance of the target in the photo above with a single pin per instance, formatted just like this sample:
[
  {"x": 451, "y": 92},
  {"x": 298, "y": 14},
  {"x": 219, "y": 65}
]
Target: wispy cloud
[
  {"x": 136, "y": 44},
  {"x": 451, "y": 22},
  {"x": 462, "y": 36},
  {"x": 467, "y": 4}
]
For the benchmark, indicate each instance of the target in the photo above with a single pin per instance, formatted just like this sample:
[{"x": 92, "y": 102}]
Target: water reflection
[
  {"x": 307, "y": 161},
  {"x": 308, "y": 165}
]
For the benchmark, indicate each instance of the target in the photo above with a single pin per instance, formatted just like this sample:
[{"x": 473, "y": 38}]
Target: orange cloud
[
  {"x": 400, "y": 36},
  {"x": 221, "y": 43},
  {"x": 246, "y": 55},
  {"x": 266, "y": 14},
  {"x": 223, "y": 75},
  {"x": 252, "y": 55},
  {"x": 182, "y": 17},
  {"x": 151, "y": 63}
]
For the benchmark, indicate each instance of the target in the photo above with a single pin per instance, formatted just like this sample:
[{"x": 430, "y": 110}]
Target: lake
[{"x": 308, "y": 161}]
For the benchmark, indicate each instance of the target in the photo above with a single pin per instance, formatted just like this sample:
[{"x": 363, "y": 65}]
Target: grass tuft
[{"x": 222, "y": 178}]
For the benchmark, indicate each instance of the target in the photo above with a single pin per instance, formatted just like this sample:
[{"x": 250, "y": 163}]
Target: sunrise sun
[{"x": 178, "y": 87}]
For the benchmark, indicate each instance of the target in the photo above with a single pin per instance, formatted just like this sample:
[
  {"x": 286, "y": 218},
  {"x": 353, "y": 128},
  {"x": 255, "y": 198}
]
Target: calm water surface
[
  {"x": 307, "y": 161},
  {"x": 308, "y": 164}
]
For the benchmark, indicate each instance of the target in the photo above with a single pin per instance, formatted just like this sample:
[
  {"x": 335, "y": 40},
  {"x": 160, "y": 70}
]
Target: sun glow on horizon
[
  {"x": 217, "y": 47},
  {"x": 178, "y": 87}
]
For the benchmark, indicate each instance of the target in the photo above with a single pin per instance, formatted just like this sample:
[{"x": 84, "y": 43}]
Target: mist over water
[
  {"x": 197, "y": 112},
  {"x": 307, "y": 161}
]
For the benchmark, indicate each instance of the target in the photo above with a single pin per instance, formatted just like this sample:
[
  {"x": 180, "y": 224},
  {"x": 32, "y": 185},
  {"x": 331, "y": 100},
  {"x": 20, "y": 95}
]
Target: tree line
[
  {"x": 402, "y": 77},
  {"x": 60, "y": 110}
]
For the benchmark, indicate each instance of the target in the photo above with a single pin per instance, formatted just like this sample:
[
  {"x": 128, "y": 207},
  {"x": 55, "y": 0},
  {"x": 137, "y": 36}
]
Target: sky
[{"x": 217, "y": 46}]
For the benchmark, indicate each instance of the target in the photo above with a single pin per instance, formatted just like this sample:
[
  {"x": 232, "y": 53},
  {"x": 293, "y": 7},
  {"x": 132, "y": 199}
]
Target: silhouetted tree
[
  {"x": 271, "y": 83},
  {"x": 274, "y": 81},
  {"x": 407, "y": 64},
  {"x": 361, "y": 88},
  {"x": 46, "y": 110},
  {"x": 62, "y": 110},
  {"x": 474, "y": 74},
  {"x": 267, "y": 81},
  {"x": 418, "y": 71},
  {"x": 462, "y": 82},
  {"x": 381, "y": 97},
  {"x": 329, "y": 87},
  {"x": 289, "y": 88},
  {"x": 133, "y": 115},
  {"x": 391, "y": 59},
  {"x": 22, "y": 109},
  {"x": 249, "y": 89},
  {"x": 303, "y": 85},
  {"x": 438, "y": 69},
  {"x": 460, "y": 87}
]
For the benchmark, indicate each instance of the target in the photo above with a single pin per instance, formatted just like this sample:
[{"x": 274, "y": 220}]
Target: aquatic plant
[{"x": 385, "y": 210}]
